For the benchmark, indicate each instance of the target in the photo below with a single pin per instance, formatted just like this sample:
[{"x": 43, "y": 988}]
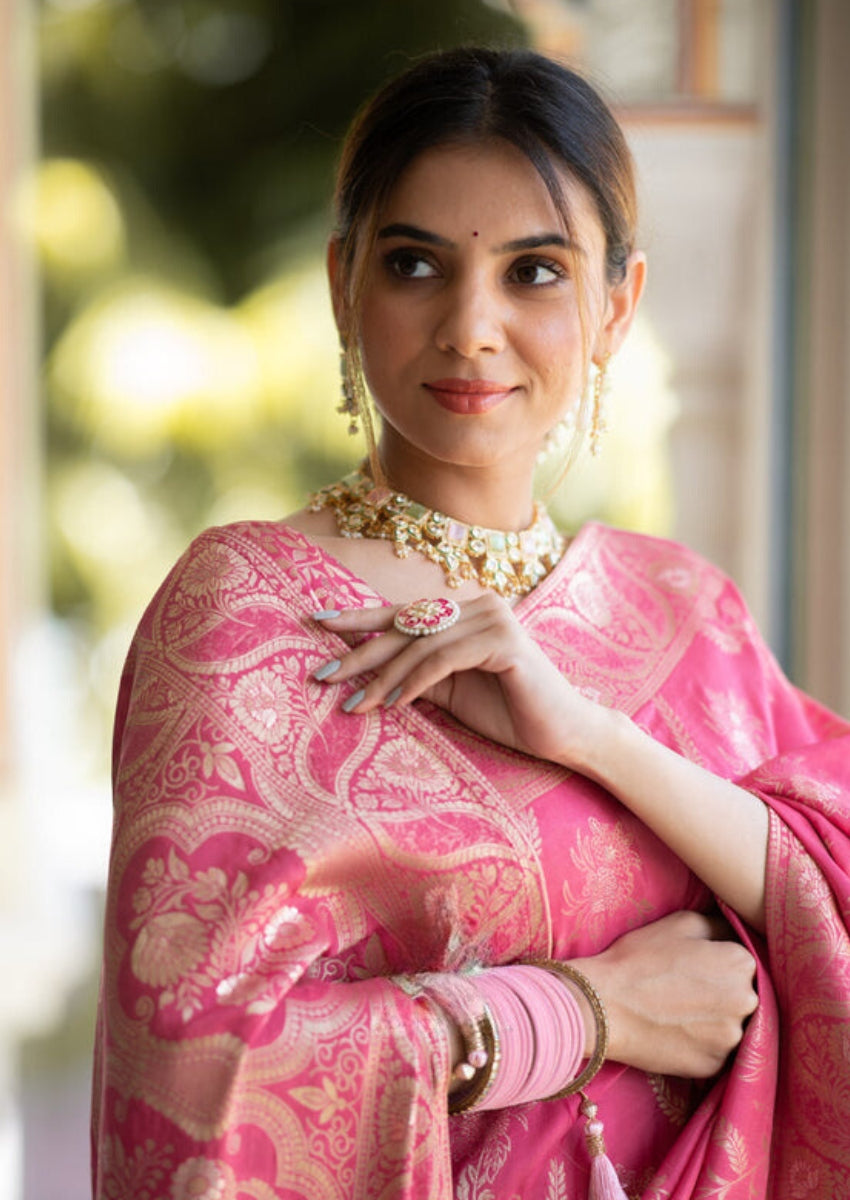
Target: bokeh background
[{"x": 168, "y": 361}]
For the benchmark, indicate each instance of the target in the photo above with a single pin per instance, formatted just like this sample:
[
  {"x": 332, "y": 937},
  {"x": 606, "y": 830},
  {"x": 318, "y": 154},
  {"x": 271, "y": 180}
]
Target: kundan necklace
[{"x": 508, "y": 563}]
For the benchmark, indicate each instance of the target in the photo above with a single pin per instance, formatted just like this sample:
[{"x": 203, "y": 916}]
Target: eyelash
[
  {"x": 395, "y": 258},
  {"x": 547, "y": 264}
]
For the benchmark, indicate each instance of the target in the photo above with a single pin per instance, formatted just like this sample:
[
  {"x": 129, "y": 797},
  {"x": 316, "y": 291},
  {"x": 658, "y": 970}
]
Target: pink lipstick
[{"x": 468, "y": 396}]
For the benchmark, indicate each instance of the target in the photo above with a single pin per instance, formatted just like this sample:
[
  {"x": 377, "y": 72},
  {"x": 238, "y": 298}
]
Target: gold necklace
[{"x": 508, "y": 563}]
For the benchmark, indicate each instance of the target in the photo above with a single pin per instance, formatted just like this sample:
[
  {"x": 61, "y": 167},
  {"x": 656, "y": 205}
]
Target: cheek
[
  {"x": 556, "y": 349},
  {"x": 387, "y": 331}
]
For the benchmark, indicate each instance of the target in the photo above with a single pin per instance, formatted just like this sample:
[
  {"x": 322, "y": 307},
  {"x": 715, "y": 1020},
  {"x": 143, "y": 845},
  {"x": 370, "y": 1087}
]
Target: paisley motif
[{"x": 274, "y": 863}]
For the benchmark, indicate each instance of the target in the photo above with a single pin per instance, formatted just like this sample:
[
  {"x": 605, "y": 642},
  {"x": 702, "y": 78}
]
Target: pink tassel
[{"x": 604, "y": 1184}]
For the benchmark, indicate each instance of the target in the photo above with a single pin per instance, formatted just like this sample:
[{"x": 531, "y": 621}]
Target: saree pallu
[{"x": 275, "y": 862}]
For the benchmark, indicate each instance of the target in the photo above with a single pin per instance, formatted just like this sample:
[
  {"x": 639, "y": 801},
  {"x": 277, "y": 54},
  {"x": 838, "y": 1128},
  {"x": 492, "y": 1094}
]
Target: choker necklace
[{"x": 508, "y": 563}]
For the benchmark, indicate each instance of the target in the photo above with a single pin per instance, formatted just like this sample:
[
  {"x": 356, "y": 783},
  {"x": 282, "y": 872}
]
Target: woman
[{"x": 339, "y": 843}]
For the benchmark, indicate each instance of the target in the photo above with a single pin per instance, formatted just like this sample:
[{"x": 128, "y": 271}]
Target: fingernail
[
  {"x": 392, "y": 697},
  {"x": 325, "y": 614},
  {"x": 326, "y": 669},
  {"x": 353, "y": 700}
]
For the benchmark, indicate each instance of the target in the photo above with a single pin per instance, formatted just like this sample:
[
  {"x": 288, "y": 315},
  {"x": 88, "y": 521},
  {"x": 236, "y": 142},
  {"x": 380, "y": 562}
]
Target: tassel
[{"x": 604, "y": 1184}]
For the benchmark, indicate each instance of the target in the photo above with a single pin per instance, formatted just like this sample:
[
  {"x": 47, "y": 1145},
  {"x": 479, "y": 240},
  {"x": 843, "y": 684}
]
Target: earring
[
  {"x": 598, "y": 424},
  {"x": 349, "y": 405},
  {"x": 558, "y": 438},
  {"x": 356, "y": 405}
]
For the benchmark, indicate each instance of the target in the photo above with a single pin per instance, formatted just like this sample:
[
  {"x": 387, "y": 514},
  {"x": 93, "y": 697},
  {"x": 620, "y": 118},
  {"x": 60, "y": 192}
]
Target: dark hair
[{"x": 471, "y": 94}]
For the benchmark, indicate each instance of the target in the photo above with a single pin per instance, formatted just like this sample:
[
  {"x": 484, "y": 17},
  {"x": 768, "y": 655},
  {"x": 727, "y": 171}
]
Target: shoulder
[
  {"x": 664, "y": 596},
  {"x": 657, "y": 573},
  {"x": 225, "y": 556},
  {"x": 225, "y": 564},
  {"x": 655, "y": 557}
]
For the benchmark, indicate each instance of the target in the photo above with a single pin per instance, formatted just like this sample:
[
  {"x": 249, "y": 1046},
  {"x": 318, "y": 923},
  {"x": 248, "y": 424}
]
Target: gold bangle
[
  {"x": 597, "y": 1058},
  {"x": 480, "y": 1085}
]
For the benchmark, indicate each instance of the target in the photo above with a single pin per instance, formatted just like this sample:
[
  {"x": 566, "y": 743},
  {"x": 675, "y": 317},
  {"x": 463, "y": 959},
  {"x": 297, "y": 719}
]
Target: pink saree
[{"x": 275, "y": 862}]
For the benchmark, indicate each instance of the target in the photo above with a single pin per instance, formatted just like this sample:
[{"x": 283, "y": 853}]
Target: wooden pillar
[{"x": 699, "y": 49}]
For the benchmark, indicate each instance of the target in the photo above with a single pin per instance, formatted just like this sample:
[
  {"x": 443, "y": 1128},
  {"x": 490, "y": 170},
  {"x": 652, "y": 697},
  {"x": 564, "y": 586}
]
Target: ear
[
  {"x": 623, "y": 300},
  {"x": 337, "y": 282}
]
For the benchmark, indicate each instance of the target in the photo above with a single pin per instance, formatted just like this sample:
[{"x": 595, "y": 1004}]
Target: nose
[{"x": 472, "y": 319}]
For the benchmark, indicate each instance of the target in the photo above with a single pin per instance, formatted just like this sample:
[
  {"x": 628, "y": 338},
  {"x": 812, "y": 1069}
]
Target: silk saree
[{"x": 276, "y": 862}]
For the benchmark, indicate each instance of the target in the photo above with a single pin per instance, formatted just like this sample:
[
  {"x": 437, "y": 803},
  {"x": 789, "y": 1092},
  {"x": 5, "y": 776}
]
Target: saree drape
[{"x": 275, "y": 862}]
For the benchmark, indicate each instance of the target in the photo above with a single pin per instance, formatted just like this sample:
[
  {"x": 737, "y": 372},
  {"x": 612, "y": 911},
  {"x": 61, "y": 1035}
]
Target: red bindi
[{"x": 475, "y": 233}]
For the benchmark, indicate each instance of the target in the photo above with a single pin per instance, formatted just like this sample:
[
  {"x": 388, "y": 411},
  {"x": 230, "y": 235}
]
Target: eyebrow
[
  {"x": 399, "y": 229},
  {"x": 532, "y": 242}
]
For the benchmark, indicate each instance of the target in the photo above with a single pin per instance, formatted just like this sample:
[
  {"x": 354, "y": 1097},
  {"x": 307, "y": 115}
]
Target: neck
[{"x": 496, "y": 497}]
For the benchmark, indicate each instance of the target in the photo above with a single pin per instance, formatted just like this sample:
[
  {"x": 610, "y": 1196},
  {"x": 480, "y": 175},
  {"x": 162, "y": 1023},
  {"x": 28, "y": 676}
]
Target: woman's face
[{"x": 470, "y": 324}]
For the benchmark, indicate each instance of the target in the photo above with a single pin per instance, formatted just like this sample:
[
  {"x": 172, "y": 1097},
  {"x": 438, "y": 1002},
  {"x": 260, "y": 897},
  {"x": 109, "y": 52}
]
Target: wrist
[{"x": 598, "y": 743}]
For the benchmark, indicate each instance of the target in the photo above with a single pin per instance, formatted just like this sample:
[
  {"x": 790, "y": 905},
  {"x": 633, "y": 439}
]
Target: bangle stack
[{"x": 516, "y": 1006}]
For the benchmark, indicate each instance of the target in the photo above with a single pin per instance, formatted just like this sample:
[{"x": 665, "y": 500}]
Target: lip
[{"x": 468, "y": 396}]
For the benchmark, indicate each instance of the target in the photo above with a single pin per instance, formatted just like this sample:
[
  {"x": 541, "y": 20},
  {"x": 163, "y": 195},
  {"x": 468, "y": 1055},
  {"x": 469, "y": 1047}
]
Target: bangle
[
  {"x": 483, "y": 1079},
  {"x": 458, "y": 997},
  {"x": 599, "y": 1015}
]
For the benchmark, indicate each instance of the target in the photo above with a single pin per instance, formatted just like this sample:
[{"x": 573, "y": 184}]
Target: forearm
[{"x": 717, "y": 828}]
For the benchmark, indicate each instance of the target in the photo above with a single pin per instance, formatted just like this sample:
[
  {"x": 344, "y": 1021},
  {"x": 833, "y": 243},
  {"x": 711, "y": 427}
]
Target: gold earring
[
  {"x": 349, "y": 405},
  {"x": 598, "y": 424},
  {"x": 355, "y": 404}
]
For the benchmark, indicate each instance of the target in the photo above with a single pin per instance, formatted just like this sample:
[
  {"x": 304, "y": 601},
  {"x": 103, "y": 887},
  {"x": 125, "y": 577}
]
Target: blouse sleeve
[{"x": 231, "y": 1059}]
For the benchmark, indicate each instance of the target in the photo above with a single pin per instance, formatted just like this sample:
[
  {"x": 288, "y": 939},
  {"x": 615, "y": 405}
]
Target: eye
[
  {"x": 537, "y": 272},
  {"x": 410, "y": 264}
]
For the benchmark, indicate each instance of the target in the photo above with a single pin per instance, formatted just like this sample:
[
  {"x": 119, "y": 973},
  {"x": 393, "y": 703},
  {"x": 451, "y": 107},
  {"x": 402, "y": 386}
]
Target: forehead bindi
[{"x": 487, "y": 193}]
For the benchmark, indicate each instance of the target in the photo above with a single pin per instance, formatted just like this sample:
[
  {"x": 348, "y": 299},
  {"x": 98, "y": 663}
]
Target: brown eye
[
  {"x": 536, "y": 272},
  {"x": 410, "y": 265}
]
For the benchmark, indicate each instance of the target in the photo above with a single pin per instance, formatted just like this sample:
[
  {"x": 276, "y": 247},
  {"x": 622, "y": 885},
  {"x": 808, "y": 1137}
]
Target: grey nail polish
[
  {"x": 353, "y": 700},
  {"x": 392, "y": 697},
  {"x": 325, "y": 614},
  {"x": 326, "y": 669}
]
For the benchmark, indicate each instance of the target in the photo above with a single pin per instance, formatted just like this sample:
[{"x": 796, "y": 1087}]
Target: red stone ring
[{"x": 423, "y": 617}]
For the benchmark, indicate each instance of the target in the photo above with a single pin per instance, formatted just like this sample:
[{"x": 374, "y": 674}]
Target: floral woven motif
[{"x": 275, "y": 861}]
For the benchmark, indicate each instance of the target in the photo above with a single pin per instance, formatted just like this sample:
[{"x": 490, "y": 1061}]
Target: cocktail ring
[{"x": 422, "y": 617}]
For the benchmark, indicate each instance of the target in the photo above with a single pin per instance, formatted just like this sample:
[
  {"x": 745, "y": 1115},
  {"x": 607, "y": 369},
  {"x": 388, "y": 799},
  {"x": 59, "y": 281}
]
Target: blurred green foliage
[
  {"x": 180, "y": 213},
  {"x": 226, "y": 115}
]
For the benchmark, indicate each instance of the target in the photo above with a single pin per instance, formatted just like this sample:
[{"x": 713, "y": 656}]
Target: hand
[
  {"x": 676, "y": 994},
  {"x": 485, "y": 670}
]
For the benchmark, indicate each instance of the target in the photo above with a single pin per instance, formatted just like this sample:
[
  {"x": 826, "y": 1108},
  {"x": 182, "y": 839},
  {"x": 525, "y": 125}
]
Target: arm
[
  {"x": 717, "y": 828},
  {"x": 242, "y": 1043},
  {"x": 676, "y": 994},
  {"x": 490, "y": 674}
]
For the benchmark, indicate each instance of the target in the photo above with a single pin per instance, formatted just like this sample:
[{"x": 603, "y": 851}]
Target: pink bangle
[
  {"x": 540, "y": 1027},
  {"x": 599, "y": 1015}
]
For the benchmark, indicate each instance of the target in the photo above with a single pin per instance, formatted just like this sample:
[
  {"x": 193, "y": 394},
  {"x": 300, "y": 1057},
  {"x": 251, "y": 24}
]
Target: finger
[
  {"x": 368, "y": 656},
  {"x": 370, "y": 619},
  {"x": 419, "y": 664},
  {"x": 375, "y": 653},
  {"x": 481, "y": 638},
  {"x": 421, "y": 667}
]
